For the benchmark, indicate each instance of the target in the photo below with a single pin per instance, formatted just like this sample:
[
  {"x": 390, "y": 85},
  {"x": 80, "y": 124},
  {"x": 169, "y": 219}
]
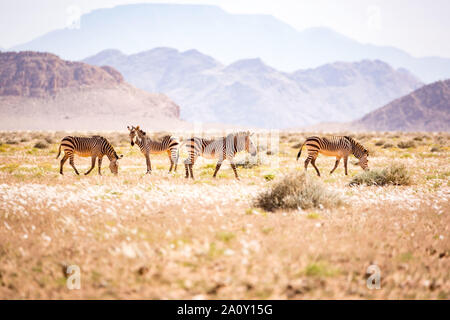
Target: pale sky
[{"x": 419, "y": 27}]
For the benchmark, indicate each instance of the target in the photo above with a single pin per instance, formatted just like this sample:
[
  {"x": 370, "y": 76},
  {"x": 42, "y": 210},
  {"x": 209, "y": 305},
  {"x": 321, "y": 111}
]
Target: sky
[{"x": 420, "y": 27}]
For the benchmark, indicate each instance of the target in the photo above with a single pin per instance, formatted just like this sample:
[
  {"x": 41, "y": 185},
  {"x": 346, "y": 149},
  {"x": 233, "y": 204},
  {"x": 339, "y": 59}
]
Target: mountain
[
  {"x": 249, "y": 92},
  {"x": 425, "y": 109},
  {"x": 228, "y": 37},
  {"x": 42, "y": 91}
]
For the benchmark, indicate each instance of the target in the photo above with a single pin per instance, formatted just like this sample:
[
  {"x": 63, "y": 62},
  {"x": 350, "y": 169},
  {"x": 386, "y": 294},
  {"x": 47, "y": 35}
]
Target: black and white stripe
[
  {"x": 94, "y": 147},
  {"x": 337, "y": 146},
  {"x": 168, "y": 144},
  {"x": 220, "y": 149}
]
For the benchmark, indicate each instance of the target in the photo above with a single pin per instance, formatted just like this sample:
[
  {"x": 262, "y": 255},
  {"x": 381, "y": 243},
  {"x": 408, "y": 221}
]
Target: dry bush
[
  {"x": 12, "y": 142},
  {"x": 406, "y": 144},
  {"x": 379, "y": 143},
  {"x": 249, "y": 162},
  {"x": 41, "y": 145},
  {"x": 435, "y": 149},
  {"x": 395, "y": 174},
  {"x": 295, "y": 191},
  {"x": 388, "y": 145}
]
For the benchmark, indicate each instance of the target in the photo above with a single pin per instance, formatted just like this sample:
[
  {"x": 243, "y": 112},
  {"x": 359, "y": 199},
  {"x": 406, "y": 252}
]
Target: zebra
[
  {"x": 220, "y": 148},
  {"x": 94, "y": 147},
  {"x": 169, "y": 144},
  {"x": 338, "y": 146}
]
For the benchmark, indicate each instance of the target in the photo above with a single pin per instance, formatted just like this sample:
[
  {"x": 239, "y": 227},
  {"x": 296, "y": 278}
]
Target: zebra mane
[{"x": 356, "y": 146}]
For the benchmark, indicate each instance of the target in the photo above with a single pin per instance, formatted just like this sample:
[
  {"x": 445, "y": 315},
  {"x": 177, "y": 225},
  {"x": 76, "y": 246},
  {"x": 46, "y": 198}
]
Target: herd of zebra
[{"x": 224, "y": 148}]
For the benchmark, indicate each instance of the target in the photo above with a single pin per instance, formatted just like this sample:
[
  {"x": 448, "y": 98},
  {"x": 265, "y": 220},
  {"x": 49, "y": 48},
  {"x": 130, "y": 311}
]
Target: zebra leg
[
  {"x": 191, "y": 171},
  {"x": 313, "y": 162},
  {"x": 219, "y": 163},
  {"x": 73, "y": 164},
  {"x": 187, "y": 170},
  {"x": 100, "y": 165},
  {"x": 234, "y": 169},
  {"x": 92, "y": 166},
  {"x": 170, "y": 159},
  {"x": 345, "y": 165},
  {"x": 335, "y": 165},
  {"x": 149, "y": 164},
  {"x": 63, "y": 160}
]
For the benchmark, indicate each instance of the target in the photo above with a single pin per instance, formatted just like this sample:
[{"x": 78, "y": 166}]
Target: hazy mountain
[
  {"x": 249, "y": 92},
  {"x": 228, "y": 37},
  {"x": 41, "y": 91},
  {"x": 425, "y": 109}
]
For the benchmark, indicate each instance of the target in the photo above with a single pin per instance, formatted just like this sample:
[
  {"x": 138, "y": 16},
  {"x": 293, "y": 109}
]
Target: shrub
[
  {"x": 379, "y": 143},
  {"x": 249, "y": 162},
  {"x": 406, "y": 144},
  {"x": 12, "y": 142},
  {"x": 295, "y": 191},
  {"x": 435, "y": 149},
  {"x": 41, "y": 145},
  {"x": 297, "y": 145},
  {"x": 48, "y": 140},
  {"x": 396, "y": 174},
  {"x": 388, "y": 145}
]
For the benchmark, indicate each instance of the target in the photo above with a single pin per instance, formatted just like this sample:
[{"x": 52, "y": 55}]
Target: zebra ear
[{"x": 137, "y": 128}]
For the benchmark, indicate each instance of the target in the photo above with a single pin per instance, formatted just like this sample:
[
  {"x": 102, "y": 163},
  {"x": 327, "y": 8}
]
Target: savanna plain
[{"x": 275, "y": 234}]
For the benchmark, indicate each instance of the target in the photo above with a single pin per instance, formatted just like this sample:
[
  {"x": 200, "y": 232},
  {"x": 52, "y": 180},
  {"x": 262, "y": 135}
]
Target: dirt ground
[{"x": 161, "y": 236}]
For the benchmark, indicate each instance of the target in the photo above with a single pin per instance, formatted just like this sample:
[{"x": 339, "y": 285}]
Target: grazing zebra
[
  {"x": 167, "y": 144},
  {"x": 221, "y": 149},
  {"x": 94, "y": 147},
  {"x": 336, "y": 146}
]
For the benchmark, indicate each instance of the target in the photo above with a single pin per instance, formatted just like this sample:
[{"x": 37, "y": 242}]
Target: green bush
[
  {"x": 396, "y": 174},
  {"x": 294, "y": 191}
]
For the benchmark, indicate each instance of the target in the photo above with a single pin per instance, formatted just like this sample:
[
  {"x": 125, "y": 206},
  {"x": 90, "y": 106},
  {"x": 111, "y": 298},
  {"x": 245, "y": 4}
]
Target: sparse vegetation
[
  {"x": 163, "y": 237},
  {"x": 395, "y": 174},
  {"x": 294, "y": 191}
]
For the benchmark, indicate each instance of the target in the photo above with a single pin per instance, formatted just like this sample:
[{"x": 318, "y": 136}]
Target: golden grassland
[{"x": 161, "y": 236}]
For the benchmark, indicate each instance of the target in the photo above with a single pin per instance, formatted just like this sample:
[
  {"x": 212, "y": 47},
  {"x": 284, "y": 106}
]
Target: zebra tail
[
  {"x": 59, "y": 152},
  {"x": 300, "y": 151}
]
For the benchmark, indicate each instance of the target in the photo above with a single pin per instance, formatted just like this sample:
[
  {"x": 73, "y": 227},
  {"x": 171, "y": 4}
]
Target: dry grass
[{"x": 162, "y": 236}]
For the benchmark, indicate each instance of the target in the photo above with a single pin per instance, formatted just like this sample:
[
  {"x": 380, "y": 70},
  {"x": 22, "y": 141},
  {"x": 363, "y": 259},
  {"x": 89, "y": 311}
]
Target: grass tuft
[
  {"x": 396, "y": 174},
  {"x": 41, "y": 145},
  {"x": 406, "y": 144},
  {"x": 294, "y": 191}
]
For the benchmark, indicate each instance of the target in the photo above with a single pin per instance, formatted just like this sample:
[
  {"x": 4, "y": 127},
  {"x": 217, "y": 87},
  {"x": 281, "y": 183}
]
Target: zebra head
[
  {"x": 363, "y": 161},
  {"x": 114, "y": 164},
  {"x": 132, "y": 134},
  {"x": 244, "y": 142}
]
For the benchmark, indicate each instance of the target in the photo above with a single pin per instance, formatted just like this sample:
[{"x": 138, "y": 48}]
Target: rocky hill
[
  {"x": 249, "y": 92},
  {"x": 42, "y": 91},
  {"x": 425, "y": 109}
]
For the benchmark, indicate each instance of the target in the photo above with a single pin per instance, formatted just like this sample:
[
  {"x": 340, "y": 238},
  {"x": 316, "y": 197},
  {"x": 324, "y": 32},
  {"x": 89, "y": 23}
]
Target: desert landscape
[{"x": 162, "y": 236}]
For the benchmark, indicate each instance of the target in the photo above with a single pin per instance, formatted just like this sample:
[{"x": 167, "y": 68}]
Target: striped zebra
[
  {"x": 168, "y": 144},
  {"x": 336, "y": 146},
  {"x": 220, "y": 149},
  {"x": 94, "y": 147}
]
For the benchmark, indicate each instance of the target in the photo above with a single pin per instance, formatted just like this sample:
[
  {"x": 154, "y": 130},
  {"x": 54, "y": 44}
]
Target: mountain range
[
  {"x": 228, "y": 37},
  {"x": 42, "y": 91},
  {"x": 249, "y": 92},
  {"x": 425, "y": 109}
]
